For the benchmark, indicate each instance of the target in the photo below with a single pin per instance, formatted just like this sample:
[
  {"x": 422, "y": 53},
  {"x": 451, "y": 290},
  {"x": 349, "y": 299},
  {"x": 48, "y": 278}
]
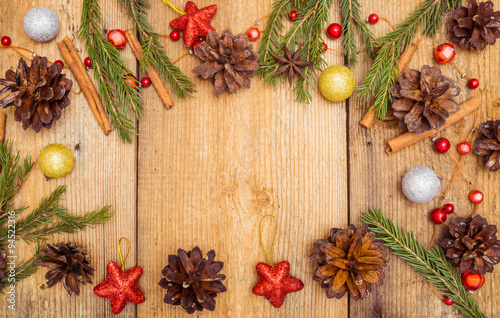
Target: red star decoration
[
  {"x": 275, "y": 282},
  {"x": 195, "y": 23},
  {"x": 120, "y": 287}
]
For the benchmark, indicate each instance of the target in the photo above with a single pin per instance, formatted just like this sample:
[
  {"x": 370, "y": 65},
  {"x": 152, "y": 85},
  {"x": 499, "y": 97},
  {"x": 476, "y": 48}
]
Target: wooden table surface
[{"x": 205, "y": 172}]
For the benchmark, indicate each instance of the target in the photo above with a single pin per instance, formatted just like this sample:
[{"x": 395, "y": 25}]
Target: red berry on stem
[
  {"x": 293, "y": 15},
  {"x": 474, "y": 83},
  {"x": 325, "y": 47},
  {"x": 117, "y": 38},
  {"x": 472, "y": 281},
  {"x": 145, "y": 82},
  {"x": 438, "y": 216},
  {"x": 464, "y": 148},
  {"x": 476, "y": 197},
  {"x": 445, "y": 53},
  {"x": 131, "y": 81},
  {"x": 253, "y": 34},
  {"x": 195, "y": 43},
  {"x": 87, "y": 62},
  {"x": 373, "y": 18},
  {"x": 59, "y": 62},
  {"x": 448, "y": 301},
  {"x": 6, "y": 41},
  {"x": 442, "y": 145},
  {"x": 449, "y": 208},
  {"x": 334, "y": 30},
  {"x": 175, "y": 35}
]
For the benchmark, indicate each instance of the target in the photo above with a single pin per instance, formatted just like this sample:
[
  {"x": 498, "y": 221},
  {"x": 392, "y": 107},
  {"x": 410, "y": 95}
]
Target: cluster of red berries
[{"x": 445, "y": 53}]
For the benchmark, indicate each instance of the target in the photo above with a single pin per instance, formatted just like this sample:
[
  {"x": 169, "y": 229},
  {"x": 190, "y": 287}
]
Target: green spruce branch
[
  {"x": 305, "y": 31},
  {"x": 383, "y": 73},
  {"x": 123, "y": 101},
  {"x": 430, "y": 263},
  {"x": 351, "y": 21},
  {"x": 47, "y": 219},
  {"x": 153, "y": 53}
]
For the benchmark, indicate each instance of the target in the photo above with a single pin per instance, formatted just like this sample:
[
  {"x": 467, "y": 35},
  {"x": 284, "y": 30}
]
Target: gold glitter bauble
[
  {"x": 56, "y": 160},
  {"x": 336, "y": 83}
]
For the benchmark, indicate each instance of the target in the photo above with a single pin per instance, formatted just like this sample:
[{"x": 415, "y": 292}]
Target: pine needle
[{"x": 430, "y": 263}]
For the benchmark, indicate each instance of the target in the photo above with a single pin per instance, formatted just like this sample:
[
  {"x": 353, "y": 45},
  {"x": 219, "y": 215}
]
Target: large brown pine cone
[
  {"x": 488, "y": 145},
  {"x": 424, "y": 100},
  {"x": 39, "y": 93},
  {"x": 67, "y": 262},
  {"x": 192, "y": 281},
  {"x": 475, "y": 26},
  {"x": 229, "y": 60},
  {"x": 349, "y": 260},
  {"x": 473, "y": 245}
]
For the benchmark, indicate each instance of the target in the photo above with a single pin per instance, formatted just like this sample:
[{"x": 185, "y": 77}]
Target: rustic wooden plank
[
  {"x": 208, "y": 166},
  {"x": 104, "y": 173},
  {"x": 375, "y": 178}
]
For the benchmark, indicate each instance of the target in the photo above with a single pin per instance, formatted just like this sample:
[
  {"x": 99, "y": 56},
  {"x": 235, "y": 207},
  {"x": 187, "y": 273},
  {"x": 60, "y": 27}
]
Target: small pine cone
[
  {"x": 488, "y": 145},
  {"x": 38, "y": 92},
  {"x": 68, "y": 263},
  {"x": 192, "y": 281},
  {"x": 3, "y": 264}
]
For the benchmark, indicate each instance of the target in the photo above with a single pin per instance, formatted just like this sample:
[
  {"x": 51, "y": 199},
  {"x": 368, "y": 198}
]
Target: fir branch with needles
[
  {"x": 47, "y": 219},
  {"x": 351, "y": 20},
  {"x": 383, "y": 73},
  {"x": 122, "y": 100},
  {"x": 153, "y": 53},
  {"x": 306, "y": 31},
  {"x": 432, "y": 264}
]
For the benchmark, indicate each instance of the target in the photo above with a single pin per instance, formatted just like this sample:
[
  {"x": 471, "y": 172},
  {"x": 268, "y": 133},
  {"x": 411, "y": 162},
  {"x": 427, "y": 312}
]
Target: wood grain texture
[{"x": 206, "y": 171}]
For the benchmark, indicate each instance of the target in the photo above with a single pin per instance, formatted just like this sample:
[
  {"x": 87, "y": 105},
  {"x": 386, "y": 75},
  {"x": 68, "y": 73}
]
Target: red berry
[
  {"x": 293, "y": 15},
  {"x": 195, "y": 43},
  {"x": 442, "y": 145},
  {"x": 6, "y": 41},
  {"x": 448, "y": 301},
  {"x": 373, "y": 18},
  {"x": 87, "y": 62},
  {"x": 476, "y": 197},
  {"x": 131, "y": 81},
  {"x": 449, "y": 208},
  {"x": 325, "y": 47},
  {"x": 145, "y": 82},
  {"x": 474, "y": 83},
  {"x": 464, "y": 148},
  {"x": 59, "y": 62},
  {"x": 445, "y": 53},
  {"x": 334, "y": 30},
  {"x": 438, "y": 216},
  {"x": 253, "y": 34},
  {"x": 175, "y": 35},
  {"x": 472, "y": 281},
  {"x": 117, "y": 38}
]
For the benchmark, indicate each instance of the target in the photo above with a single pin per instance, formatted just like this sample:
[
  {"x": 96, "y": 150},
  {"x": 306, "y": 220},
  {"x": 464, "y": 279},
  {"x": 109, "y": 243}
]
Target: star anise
[{"x": 291, "y": 63}]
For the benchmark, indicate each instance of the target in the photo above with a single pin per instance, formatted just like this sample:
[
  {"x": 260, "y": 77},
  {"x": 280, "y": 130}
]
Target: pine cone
[
  {"x": 38, "y": 92},
  {"x": 488, "y": 145},
  {"x": 349, "y": 260},
  {"x": 473, "y": 245},
  {"x": 67, "y": 263},
  {"x": 3, "y": 256},
  {"x": 424, "y": 100},
  {"x": 192, "y": 280},
  {"x": 229, "y": 60},
  {"x": 476, "y": 26}
]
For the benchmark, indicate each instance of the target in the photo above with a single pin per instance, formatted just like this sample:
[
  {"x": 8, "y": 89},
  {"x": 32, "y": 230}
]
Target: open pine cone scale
[{"x": 488, "y": 145}]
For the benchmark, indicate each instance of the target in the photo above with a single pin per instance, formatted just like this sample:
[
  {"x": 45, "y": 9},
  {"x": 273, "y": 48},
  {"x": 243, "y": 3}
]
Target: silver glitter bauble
[
  {"x": 41, "y": 24},
  {"x": 420, "y": 184}
]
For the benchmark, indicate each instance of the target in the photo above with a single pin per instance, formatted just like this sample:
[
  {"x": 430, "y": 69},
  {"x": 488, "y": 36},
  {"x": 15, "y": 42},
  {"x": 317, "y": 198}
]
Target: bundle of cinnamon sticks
[{"x": 70, "y": 55}]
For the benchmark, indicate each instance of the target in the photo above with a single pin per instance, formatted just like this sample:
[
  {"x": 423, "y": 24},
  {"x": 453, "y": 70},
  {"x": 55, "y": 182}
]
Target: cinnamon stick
[
  {"x": 411, "y": 138},
  {"x": 404, "y": 60},
  {"x": 106, "y": 126},
  {"x": 152, "y": 74},
  {"x": 3, "y": 117}
]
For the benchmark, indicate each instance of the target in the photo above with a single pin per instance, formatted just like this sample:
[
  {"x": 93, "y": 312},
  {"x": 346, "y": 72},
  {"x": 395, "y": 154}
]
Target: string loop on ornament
[
  {"x": 172, "y": 6},
  {"x": 269, "y": 258},
  {"x": 122, "y": 260}
]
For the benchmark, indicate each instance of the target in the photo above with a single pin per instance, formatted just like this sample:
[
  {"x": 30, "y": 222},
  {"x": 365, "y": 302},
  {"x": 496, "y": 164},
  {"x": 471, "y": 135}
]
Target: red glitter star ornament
[
  {"x": 120, "y": 287},
  {"x": 275, "y": 282},
  {"x": 195, "y": 23}
]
